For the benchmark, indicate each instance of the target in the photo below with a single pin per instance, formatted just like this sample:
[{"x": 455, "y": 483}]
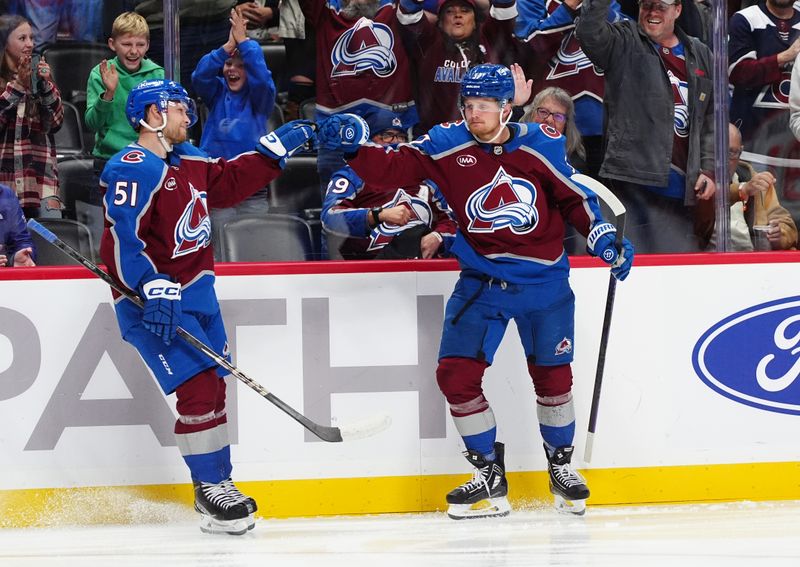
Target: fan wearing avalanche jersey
[
  {"x": 764, "y": 41},
  {"x": 157, "y": 243},
  {"x": 510, "y": 190},
  {"x": 554, "y": 58},
  {"x": 386, "y": 221},
  {"x": 362, "y": 66}
]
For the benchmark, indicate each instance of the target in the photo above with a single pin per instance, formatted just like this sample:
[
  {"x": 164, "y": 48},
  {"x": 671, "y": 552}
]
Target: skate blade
[
  {"x": 572, "y": 507},
  {"x": 487, "y": 508},
  {"x": 210, "y": 525}
]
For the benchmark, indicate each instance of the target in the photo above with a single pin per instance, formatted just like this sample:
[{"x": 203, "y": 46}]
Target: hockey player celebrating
[
  {"x": 510, "y": 190},
  {"x": 157, "y": 243}
]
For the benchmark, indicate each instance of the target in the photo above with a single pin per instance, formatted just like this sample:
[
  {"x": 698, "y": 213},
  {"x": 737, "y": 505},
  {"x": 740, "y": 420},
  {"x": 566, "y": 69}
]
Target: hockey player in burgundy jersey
[
  {"x": 157, "y": 243},
  {"x": 510, "y": 190},
  {"x": 386, "y": 221}
]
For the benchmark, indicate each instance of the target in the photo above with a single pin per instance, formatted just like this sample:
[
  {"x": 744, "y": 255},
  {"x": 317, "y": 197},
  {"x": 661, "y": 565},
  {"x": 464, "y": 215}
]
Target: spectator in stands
[
  {"x": 299, "y": 40},
  {"x": 261, "y": 16},
  {"x": 203, "y": 26},
  {"x": 764, "y": 41},
  {"x": 81, "y": 19},
  {"x": 30, "y": 112},
  {"x": 108, "y": 87},
  {"x": 755, "y": 202},
  {"x": 554, "y": 58},
  {"x": 386, "y": 222},
  {"x": 441, "y": 53},
  {"x": 660, "y": 130},
  {"x": 237, "y": 87},
  {"x": 554, "y": 106},
  {"x": 362, "y": 66},
  {"x": 16, "y": 244}
]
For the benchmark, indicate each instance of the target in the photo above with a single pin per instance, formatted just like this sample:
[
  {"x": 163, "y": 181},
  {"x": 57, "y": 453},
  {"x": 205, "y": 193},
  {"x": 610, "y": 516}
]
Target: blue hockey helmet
[
  {"x": 159, "y": 92},
  {"x": 488, "y": 81}
]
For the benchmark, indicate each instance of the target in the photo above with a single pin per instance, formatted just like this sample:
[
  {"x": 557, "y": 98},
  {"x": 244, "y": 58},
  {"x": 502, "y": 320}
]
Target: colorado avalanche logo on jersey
[
  {"x": 366, "y": 46},
  {"x": 570, "y": 59},
  {"x": 505, "y": 202},
  {"x": 193, "y": 230},
  {"x": 420, "y": 214},
  {"x": 680, "y": 91},
  {"x": 133, "y": 156},
  {"x": 775, "y": 95}
]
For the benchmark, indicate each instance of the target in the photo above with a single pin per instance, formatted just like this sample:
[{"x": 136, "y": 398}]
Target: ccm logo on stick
[
  {"x": 466, "y": 161},
  {"x": 753, "y": 356}
]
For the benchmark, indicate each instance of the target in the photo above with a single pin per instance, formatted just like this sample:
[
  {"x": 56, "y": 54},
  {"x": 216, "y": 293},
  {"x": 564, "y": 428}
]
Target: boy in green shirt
[{"x": 111, "y": 81}]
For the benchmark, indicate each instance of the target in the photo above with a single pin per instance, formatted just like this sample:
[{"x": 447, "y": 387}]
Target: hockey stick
[
  {"x": 356, "y": 430},
  {"x": 616, "y": 206}
]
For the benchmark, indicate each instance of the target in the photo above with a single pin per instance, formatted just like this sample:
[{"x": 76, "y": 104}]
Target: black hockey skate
[
  {"x": 219, "y": 512},
  {"x": 485, "y": 495},
  {"x": 567, "y": 485},
  {"x": 237, "y": 496}
]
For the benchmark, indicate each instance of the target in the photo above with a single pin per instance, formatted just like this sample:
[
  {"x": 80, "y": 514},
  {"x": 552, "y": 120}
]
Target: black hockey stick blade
[
  {"x": 618, "y": 209},
  {"x": 356, "y": 430}
]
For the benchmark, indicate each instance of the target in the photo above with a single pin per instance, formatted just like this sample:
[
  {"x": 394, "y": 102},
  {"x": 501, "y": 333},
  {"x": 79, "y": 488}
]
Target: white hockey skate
[
  {"x": 566, "y": 484},
  {"x": 219, "y": 512},
  {"x": 485, "y": 495}
]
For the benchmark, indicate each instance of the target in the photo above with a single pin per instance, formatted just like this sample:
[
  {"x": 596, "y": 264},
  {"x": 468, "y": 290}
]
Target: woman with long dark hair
[{"x": 30, "y": 113}]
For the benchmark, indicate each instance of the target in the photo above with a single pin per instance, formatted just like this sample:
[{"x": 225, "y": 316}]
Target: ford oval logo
[
  {"x": 753, "y": 356},
  {"x": 466, "y": 161}
]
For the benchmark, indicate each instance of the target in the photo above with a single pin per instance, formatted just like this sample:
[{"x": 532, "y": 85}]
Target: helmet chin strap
[
  {"x": 159, "y": 132},
  {"x": 503, "y": 124}
]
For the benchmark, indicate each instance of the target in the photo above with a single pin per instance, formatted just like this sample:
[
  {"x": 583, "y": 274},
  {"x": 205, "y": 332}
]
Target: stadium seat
[
  {"x": 69, "y": 138},
  {"x": 275, "y": 118},
  {"x": 308, "y": 108},
  {"x": 268, "y": 238},
  {"x": 71, "y": 62},
  {"x": 275, "y": 57},
  {"x": 297, "y": 188},
  {"x": 75, "y": 182},
  {"x": 74, "y": 233}
]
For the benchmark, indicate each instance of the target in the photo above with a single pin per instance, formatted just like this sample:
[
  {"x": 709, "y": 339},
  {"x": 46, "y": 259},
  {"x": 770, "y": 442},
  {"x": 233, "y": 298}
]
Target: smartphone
[{"x": 35, "y": 58}]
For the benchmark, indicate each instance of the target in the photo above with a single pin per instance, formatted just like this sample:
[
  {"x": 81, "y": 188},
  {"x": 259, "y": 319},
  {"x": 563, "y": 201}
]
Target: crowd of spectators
[{"x": 628, "y": 82}]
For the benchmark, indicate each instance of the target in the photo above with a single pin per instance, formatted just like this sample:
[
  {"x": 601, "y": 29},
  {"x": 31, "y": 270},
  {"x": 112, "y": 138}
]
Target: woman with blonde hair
[
  {"x": 553, "y": 106},
  {"x": 30, "y": 113}
]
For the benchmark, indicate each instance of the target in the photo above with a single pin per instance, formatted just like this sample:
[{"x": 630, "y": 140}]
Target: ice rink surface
[{"x": 741, "y": 533}]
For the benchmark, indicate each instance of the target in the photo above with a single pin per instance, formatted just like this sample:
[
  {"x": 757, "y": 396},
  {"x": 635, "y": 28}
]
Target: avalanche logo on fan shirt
[
  {"x": 506, "y": 202},
  {"x": 570, "y": 59},
  {"x": 364, "y": 47},
  {"x": 193, "y": 230},
  {"x": 564, "y": 347},
  {"x": 753, "y": 356},
  {"x": 421, "y": 213},
  {"x": 775, "y": 95}
]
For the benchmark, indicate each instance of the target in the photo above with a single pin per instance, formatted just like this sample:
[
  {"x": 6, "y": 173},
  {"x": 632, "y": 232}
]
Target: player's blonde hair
[{"x": 130, "y": 23}]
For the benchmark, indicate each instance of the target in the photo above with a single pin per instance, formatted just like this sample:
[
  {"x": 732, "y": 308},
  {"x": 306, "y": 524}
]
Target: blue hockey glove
[
  {"x": 602, "y": 242},
  {"x": 345, "y": 132},
  {"x": 622, "y": 266},
  {"x": 411, "y": 6},
  {"x": 286, "y": 140},
  {"x": 162, "y": 306}
]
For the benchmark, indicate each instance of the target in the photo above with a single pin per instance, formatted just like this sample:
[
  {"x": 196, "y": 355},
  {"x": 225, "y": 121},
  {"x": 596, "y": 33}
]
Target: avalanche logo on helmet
[
  {"x": 364, "y": 47},
  {"x": 193, "y": 230},
  {"x": 505, "y": 202},
  {"x": 420, "y": 214}
]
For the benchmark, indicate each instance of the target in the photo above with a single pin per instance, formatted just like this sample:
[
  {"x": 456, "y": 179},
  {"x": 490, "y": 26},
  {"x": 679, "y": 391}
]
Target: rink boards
[{"x": 700, "y": 400}]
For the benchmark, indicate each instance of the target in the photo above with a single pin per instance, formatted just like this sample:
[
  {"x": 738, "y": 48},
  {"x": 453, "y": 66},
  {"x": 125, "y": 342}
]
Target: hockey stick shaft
[
  {"x": 324, "y": 432},
  {"x": 618, "y": 209}
]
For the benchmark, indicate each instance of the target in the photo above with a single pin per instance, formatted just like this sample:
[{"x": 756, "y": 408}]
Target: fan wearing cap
[
  {"x": 442, "y": 52},
  {"x": 659, "y": 150},
  {"x": 386, "y": 222}
]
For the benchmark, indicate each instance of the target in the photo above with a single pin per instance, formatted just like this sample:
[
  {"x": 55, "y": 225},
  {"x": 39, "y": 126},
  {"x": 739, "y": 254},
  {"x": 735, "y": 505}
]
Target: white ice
[{"x": 740, "y": 533}]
